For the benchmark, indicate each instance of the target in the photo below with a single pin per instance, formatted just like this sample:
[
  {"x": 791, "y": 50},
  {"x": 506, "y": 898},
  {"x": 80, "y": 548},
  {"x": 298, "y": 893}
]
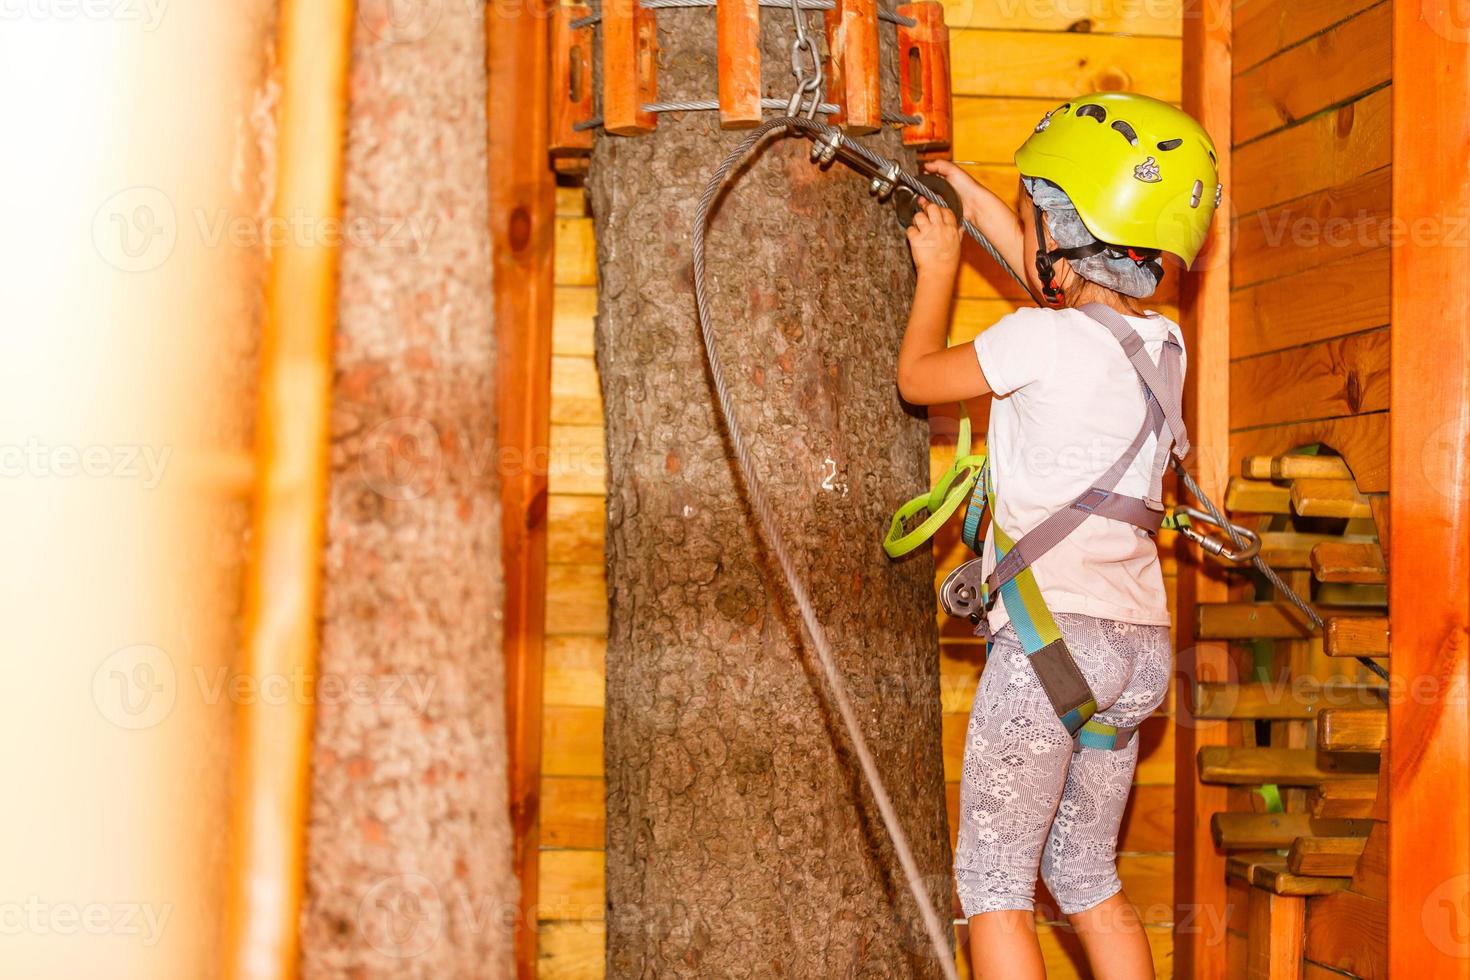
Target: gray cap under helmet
[{"x": 1118, "y": 272}]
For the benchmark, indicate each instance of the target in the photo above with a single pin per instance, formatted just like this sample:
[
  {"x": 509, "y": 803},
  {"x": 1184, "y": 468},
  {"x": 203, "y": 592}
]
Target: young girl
[{"x": 1110, "y": 182}]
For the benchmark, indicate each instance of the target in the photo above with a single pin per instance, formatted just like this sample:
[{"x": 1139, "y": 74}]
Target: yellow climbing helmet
[{"x": 1140, "y": 172}]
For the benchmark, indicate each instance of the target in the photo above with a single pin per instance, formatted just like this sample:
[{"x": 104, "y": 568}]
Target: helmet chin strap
[{"x": 1046, "y": 260}]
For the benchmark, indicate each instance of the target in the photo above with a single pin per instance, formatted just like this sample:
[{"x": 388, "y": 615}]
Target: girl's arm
[
  {"x": 929, "y": 371},
  {"x": 985, "y": 210}
]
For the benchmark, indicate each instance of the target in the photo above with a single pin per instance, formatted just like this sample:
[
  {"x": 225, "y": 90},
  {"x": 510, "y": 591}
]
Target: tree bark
[
  {"x": 740, "y": 840},
  {"x": 409, "y": 847}
]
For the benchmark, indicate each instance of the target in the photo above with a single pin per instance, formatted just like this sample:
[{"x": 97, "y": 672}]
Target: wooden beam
[
  {"x": 738, "y": 33},
  {"x": 1199, "y": 869},
  {"x": 1349, "y": 562},
  {"x": 570, "y": 85},
  {"x": 1287, "y": 767},
  {"x": 1345, "y": 798},
  {"x": 283, "y": 575},
  {"x": 1356, "y": 636},
  {"x": 1270, "y": 831},
  {"x": 1326, "y": 857},
  {"x": 1251, "y": 620},
  {"x": 1429, "y": 499},
  {"x": 629, "y": 67},
  {"x": 1267, "y": 871},
  {"x": 522, "y": 227},
  {"x": 852, "y": 66},
  {"x": 1294, "y": 467},
  {"x": 1328, "y": 498},
  {"x": 1352, "y": 729},
  {"x": 1278, "y": 926},
  {"x": 923, "y": 76},
  {"x": 1257, "y": 497}
]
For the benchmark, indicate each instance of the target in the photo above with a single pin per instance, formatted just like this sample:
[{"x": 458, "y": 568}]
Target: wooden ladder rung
[
  {"x": 852, "y": 65},
  {"x": 1356, "y": 636},
  {"x": 1250, "y": 621},
  {"x": 1268, "y": 871},
  {"x": 1356, "y": 563},
  {"x": 1302, "y": 698},
  {"x": 1256, "y": 497},
  {"x": 1326, "y": 857},
  {"x": 1292, "y": 549},
  {"x": 923, "y": 76},
  {"x": 1270, "y": 831},
  {"x": 1352, "y": 729},
  {"x": 1232, "y": 766},
  {"x": 1345, "y": 798},
  {"x": 1328, "y": 498},
  {"x": 1295, "y": 468}
]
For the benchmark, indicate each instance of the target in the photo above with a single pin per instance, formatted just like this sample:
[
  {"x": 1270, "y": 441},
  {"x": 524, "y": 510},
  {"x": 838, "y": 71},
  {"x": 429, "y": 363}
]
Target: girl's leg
[
  {"x": 1015, "y": 765},
  {"x": 1080, "y": 860}
]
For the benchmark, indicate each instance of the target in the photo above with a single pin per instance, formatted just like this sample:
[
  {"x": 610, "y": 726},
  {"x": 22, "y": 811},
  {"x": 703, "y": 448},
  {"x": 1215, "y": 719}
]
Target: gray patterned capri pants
[{"x": 1029, "y": 799}]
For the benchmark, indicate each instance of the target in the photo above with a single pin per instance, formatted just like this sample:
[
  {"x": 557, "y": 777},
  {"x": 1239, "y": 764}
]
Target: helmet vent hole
[
  {"x": 1127, "y": 131},
  {"x": 1173, "y": 144},
  {"x": 1199, "y": 192},
  {"x": 1094, "y": 111}
]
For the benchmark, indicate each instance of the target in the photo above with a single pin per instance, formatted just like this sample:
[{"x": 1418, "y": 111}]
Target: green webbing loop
[{"x": 949, "y": 493}]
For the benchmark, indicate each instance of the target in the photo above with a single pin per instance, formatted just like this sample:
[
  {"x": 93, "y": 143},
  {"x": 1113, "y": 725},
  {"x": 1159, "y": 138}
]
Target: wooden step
[
  {"x": 1284, "y": 550},
  {"x": 1244, "y": 496},
  {"x": 1328, "y": 498},
  {"x": 1356, "y": 636},
  {"x": 1352, "y": 729},
  {"x": 1295, "y": 468},
  {"x": 1268, "y": 870},
  {"x": 1350, "y": 595},
  {"x": 1360, "y": 564},
  {"x": 1251, "y": 621},
  {"x": 1345, "y": 798},
  {"x": 1270, "y": 831},
  {"x": 1232, "y": 766},
  {"x": 1302, "y": 698},
  {"x": 1326, "y": 857}
]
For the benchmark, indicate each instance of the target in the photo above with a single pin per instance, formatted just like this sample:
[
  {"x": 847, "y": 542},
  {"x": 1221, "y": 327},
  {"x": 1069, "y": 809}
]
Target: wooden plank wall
[
  {"x": 1309, "y": 308},
  {"x": 1011, "y": 62}
]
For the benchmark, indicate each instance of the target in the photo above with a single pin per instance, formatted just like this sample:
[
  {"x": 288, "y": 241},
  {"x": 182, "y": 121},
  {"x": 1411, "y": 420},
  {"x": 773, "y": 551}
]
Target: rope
[
  {"x": 1260, "y": 563},
  {"x": 939, "y": 936}
]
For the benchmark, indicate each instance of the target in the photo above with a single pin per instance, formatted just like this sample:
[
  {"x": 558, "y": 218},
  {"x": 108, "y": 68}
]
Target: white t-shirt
[{"x": 1067, "y": 404}]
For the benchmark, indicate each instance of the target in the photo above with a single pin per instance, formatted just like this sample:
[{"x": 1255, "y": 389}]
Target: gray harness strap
[{"x": 1163, "y": 387}]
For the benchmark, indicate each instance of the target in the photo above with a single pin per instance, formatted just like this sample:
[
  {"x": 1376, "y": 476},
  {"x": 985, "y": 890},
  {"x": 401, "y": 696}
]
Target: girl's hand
[
  {"x": 934, "y": 239},
  {"x": 972, "y": 195}
]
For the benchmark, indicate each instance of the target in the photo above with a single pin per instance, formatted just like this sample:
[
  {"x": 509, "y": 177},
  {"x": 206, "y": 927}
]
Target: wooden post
[
  {"x": 570, "y": 85},
  {"x": 923, "y": 75},
  {"x": 852, "y": 69},
  {"x": 629, "y": 69},
  {"x": 1429, "y": 494},
  {"x": 738, "y": 31},
  {"x": 284, "y": 577},
  {"x": 1278, "y": 926},
  {"x": 1199, "y": 870},
  {"x": 522, "y": 225}
]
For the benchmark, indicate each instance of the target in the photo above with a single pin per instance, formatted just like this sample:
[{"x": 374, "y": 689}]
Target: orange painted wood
[
  {"x": 1429, "y": 497},
  {"x": 282, "y": 581},
  {"x": 923, "y": 75},
  {"x": 738, "y": 28},
  {"x": 1199, "y": 869},
  {"x": 524, "y": 72},
  {"x": 629, "y": 67},
  {"x": 852, "y": 67},
  {"x": 571, "y": 82}
]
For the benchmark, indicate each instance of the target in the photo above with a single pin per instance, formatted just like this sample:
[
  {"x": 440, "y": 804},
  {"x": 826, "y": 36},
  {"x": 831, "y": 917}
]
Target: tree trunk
[
  {"x": 409, "y": 842},
  {"x": 740, "y": 840}
]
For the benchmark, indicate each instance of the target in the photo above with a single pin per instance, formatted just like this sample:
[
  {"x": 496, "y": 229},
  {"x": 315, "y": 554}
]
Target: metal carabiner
[{"x": 1223, "y": 548}]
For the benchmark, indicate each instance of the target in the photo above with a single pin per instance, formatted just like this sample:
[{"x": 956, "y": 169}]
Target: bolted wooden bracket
[
  {"x": 571, "y": 83},
  {"x": 852, "y": 66},
  {"x": 923, "y": 75}
]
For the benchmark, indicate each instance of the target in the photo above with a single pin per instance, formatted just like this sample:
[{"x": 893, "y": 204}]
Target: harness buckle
[
  {"x": 1092, "y": 499},
  {"x": 1223, "y": 548}
]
